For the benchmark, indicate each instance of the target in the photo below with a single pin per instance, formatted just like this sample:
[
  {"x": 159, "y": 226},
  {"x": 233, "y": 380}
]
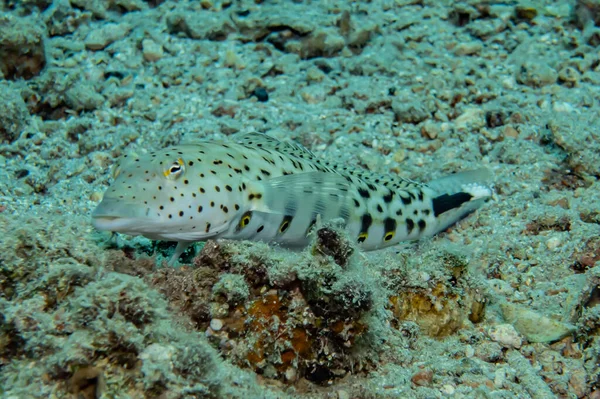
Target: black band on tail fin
[{"x": 446, "y": 202}]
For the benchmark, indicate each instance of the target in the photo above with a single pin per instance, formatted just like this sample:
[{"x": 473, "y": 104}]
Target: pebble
[
  {"x": 553, "y": 243},
  {"x": 506, "y": 335},
  {"x": 151, "y": 50},
  {"x": 422, "y": 378},
  {"x": 98, "y": 39},
  {"x": 96, "y": 196},
  {"x": 448, "y": 389},
  {"x": 216, "y": 324},
  {"x": 343, "y": 394},
  {"x": 261, "y": 94}
]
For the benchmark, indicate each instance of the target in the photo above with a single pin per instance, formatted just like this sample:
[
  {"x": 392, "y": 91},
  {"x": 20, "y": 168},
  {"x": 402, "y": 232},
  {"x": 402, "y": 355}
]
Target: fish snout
[{"x": 113, "y": 214}]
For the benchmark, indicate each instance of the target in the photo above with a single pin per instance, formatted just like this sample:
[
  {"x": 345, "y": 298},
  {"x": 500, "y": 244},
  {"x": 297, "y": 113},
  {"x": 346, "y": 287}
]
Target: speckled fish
[{"x": 258, "y": 188}]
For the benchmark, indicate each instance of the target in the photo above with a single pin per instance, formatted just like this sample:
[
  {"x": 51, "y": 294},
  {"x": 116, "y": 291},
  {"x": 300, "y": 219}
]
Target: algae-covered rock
[
  {"x": 535, "y": 326},
  {"x": 22, "y": 52}
]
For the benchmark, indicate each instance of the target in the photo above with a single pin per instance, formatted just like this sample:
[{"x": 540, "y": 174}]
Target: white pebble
[
  {"x": 553, "y": 243},
  {"x": 506, "y": 335},
  {"x": 216, "y": 324}
]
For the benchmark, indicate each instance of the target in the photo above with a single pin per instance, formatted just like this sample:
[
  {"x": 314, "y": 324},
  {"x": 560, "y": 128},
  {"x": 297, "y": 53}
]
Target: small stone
[
  {"x": 447, "y": 389},
  {"x": 506, "y": 335},
  {"x": 468, "y": 48},
  {"x": 526, "y": 12},
  {"x": 568, "y": 76},
  {"x": 471, "y": 119},
  {"x": 216, "y": 324},
  {"x": 261, "y": 94},
  {"x": 151, "y": 50},
  {"x": 511, "y": 132},
  {"x": 96, "y": 196},
  {"x": 314, "y": 74},
  {"x": 535, "y": 74},
  {"x": 553, "y": 243},
  {"x": 291, "y": 374},
  {"x": 399, "y": 156},
  {"x": 422, "y": 378},
  {"x": 430, "y": 130},
  {"x": 343, "y": 394},
  {"x": 98, "y": 39}
]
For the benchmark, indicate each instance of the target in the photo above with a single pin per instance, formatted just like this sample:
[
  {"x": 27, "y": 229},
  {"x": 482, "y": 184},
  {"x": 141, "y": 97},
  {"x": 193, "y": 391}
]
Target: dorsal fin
[{"x": 271, "y": 143}]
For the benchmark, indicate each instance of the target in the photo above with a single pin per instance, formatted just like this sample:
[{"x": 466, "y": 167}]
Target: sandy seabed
[{"x": 503, "y": 305}]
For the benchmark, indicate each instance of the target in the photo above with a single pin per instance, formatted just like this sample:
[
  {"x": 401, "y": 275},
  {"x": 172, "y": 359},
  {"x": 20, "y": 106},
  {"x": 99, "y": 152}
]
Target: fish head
[{"x": 159, "y": 196}]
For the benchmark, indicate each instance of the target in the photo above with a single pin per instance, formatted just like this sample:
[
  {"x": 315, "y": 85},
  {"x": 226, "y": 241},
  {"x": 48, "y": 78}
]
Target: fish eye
[{"x": 175, "y": 170}]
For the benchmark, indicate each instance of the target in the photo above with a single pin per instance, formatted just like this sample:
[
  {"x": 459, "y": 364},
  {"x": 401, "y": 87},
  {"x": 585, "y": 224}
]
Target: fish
[{"x": 255, "y": 187}]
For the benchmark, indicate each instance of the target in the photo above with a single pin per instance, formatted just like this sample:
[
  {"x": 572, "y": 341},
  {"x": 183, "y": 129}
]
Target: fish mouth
[{"x": 118, "y": 216}]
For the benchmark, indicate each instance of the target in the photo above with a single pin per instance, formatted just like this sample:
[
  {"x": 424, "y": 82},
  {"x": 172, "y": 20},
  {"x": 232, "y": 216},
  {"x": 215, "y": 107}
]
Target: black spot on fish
[
  {"x": 225, "y": 209},
  {"x": 365, "y": 223},
  {"x": 285, "y": 223},
  {"x": 388, "y": 197},
  {"x": 172, "y": 199},
  {"x": 364, "y": 193},
  {"x": 191, "y": 163},
  {"x": 410, "y": 225},
  {"x": 217, "y": 189},
  {"x": 180, "y": 213},
  {"x": 260, "y": 229},
  {"x": 421, "y": 223},
  {"x": 446, "y": 202},
  {"x": 228, "y": 188},
  {"x": 207, "y": 227},
  {"x": 356, "y": 203},
  {"x": 389, "y": 228},
  {"x": 379, "y": 208},
  {"x": 406, "y": 200}
]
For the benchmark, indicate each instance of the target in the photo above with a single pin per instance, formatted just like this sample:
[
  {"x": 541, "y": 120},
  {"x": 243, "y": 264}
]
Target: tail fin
[{"x": 460, "y": 194}]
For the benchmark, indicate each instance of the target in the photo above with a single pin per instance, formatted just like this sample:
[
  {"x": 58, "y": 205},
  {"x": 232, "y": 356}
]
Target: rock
[
  {"x": 414, "y": 112},
  {"x": 533, "y": 326},
  {"x": 83, "y": 97},
  {"x": 536, "y": 74},
  {"x": 151, "y": 50},
  {"x": 506, "y": 335},
  {"x": 422, "y": 378},
  {"x": 14, "y": 115},
  {"x": 100, "y": 38},
  {"x": 22, "y": 52},
  {"x": 200, "y": 25}
]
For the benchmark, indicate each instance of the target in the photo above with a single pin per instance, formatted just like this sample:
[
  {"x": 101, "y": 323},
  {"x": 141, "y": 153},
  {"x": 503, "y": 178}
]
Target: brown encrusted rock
[{"x": 22, "y": 52}]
